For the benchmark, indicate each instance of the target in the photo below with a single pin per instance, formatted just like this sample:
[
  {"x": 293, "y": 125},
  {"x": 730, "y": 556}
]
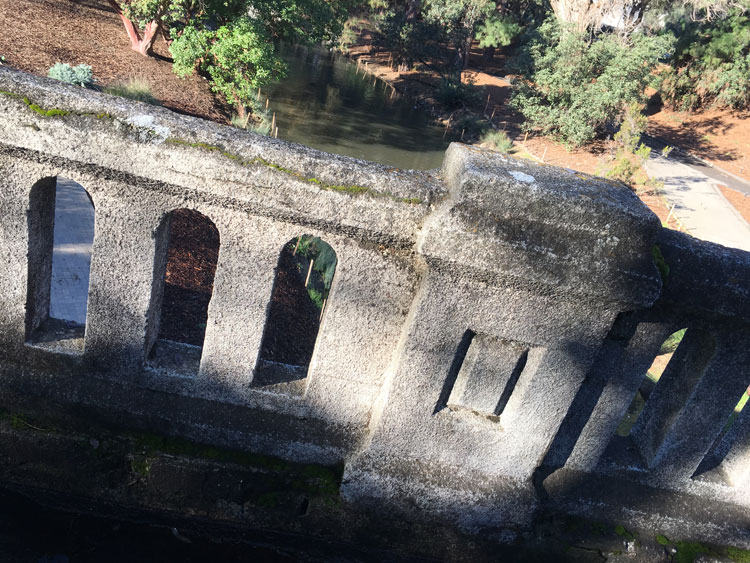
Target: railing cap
[{"x": 550, "y": 229}]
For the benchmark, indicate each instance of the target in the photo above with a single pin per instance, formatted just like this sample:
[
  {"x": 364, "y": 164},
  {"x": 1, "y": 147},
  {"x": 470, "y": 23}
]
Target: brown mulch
[
  {"x": 40, "y": 33},
  {"x": 740, "y": 201},
  {"x": 192, "y": 256}
]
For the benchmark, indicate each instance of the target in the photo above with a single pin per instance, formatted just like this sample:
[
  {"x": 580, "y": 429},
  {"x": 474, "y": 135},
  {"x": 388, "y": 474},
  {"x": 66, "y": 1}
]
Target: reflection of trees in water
[
  {"x": 326, "y": 102},
  {"x": 333, "y": 99}
]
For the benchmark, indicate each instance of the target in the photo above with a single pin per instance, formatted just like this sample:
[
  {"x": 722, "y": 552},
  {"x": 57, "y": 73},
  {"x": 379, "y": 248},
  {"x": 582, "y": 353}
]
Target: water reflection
[{"x": 326, "y": 102}]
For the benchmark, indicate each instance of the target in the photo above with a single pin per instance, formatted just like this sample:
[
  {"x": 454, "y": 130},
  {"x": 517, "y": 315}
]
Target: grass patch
[
  {"x": 738, "y": 555},
  {"x": 497, "y": 141},
  {"x": 136, "y": 88},
  {"x": 671, "y": 343}
]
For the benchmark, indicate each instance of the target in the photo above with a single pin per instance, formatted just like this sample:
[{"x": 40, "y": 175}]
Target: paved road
[
  {"x": 724, "y": 178},
  {"x": 704, "y": 211},
  {"x": 71, "y": 254}
]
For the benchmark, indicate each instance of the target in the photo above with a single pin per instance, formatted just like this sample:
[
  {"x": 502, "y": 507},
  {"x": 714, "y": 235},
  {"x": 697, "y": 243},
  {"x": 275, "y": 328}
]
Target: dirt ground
[
  {"x": 740, "y": 201},
  {"x": 721, "y": 137},
  {"x": 40, "y": 33}
]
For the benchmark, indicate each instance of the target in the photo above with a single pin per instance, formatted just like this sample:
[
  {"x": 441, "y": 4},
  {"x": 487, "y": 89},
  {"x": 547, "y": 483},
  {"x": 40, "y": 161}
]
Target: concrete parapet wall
[{"x": 488, "y": 325}]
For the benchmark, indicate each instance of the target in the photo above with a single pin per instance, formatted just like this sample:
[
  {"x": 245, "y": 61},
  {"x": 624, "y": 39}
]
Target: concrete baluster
[
  {"x": 620, "y": 370},
  {"x": 693, "y": 401}
]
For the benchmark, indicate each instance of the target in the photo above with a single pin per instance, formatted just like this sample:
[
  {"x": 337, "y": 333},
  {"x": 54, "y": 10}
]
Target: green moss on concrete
[
  {"x": 277, "y": 473},
  {"x": 662, "y": 540},
  {"x": 351, "y": 189},
  {"x": 624, "y": 533},
  {"x": 738, "y": 555},
  {"x": 687, "y": 552},
  {"x": 140, "y": 465},
  {"x": 660, "y": 263},
  {"x": 53, "y": 112}
]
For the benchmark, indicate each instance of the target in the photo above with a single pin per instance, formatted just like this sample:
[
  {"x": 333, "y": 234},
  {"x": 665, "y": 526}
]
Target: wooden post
[
  {"x": 486, "y": 105},
  {"x": 296, "y": 246},
  {"x": 266, "y": 104},
  {"x": 276, "y": 133},
  {"x": 526, "y": 136},
  {"x": 309, "y": 271},
  {"x": 322, "y": 308},
  {"x": 670, "y": 215},
  {"x": 273, "y": 122},
  {"x": 493, "y": 115},
  {"x": 544, "y": 154},
  {"x": 462, "y": 134}
]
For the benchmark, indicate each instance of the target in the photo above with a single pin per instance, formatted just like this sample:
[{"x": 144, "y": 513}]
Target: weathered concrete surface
[{"x": 473, "y": 335}]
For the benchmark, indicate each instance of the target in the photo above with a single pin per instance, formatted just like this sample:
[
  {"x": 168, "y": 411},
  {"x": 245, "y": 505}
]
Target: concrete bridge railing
[{"x": 488, "y": 325}]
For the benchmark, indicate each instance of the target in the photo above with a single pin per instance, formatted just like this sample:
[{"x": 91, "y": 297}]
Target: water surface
[{"x": 326, "y": 102}]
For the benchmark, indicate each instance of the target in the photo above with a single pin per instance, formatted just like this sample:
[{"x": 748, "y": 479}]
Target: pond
[{"x": 328, "y": 103}]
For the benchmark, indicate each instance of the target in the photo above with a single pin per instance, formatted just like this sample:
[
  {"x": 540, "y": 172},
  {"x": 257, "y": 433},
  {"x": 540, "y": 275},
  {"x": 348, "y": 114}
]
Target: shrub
[
  {"x": 454, "y": 93},
  {"x": 574, "y": 86},
  {"x": 80, "y": 75},
  {"x": 711, "y": 64},
  {"x": 134, "y": 89},
  {"x": 497, "y": 141},
  {"x": 470, "y": 125},
  {"x": 348, "y": 35},
  {"x": 632, "y": 155}
]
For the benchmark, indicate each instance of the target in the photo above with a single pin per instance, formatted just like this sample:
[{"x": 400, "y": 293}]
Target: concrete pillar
[{"x": 121, "y": 281}]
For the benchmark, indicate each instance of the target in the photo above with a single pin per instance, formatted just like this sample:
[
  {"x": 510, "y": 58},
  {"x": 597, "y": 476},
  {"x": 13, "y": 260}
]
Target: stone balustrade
[{"x": 488, "y": 326}]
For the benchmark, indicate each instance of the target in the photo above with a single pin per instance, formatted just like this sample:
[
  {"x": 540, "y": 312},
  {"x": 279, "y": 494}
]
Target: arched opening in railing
[
  {"x": 187, "y": 252},
  {"x": 650, "y": 380},
  {"x": 302, "y": 284},
  {"x": 61, "y": 237}
]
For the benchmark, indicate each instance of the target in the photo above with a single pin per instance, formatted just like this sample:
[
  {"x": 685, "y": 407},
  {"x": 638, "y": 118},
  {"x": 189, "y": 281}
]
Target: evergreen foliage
[
  {"x": 233, "y": 42},
  {"x": 575, "y": 84},
  {"x": 711, "y": 64},
  {"x": 497, "y": 31}
]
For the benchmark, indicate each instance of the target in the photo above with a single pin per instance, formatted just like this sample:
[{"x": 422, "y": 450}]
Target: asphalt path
[{"x": 725, "y": 178}]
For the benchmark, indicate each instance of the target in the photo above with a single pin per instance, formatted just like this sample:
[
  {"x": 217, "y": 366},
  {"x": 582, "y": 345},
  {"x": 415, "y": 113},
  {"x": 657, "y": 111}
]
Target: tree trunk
[
  {"x": 412, "y": 10},
  {"x": 488, "y": 54},
  {"x": 467, "y": 53},
  {"x": 143, "y": 45}
]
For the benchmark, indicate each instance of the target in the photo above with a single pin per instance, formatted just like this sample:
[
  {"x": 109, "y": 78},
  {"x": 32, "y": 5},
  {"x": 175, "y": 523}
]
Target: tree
[
  {"x": 232, "y": 42},
  {"x": 628, "y": 15},
  {"x": 141, "y": 40},
  {"x": 459, "y": 20},
  {"x": 496, "y": 31},
  {"x": 575, "y": 85},
  {"x": 711, "y": 63}
]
